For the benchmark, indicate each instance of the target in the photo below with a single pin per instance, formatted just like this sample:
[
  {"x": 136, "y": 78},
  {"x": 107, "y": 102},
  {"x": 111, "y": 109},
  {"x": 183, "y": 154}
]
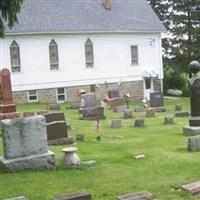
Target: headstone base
[
  {"x": 181, "y": 114},
  {"x": 75, "y": 196},
  {"x": 191, "y": 130},
  {"x": 60, "y": 141},
  {"x": 137, "y": 196},
  {"x": 40, "y": 161},
  {"x": 159, "y": 109},
  {"x": 7, "y": 108},
  {"x": 194, "y": 121}
]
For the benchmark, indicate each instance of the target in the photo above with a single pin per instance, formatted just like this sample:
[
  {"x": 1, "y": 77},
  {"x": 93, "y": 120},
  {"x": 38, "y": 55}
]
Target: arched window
[
  {"x": 15, "y": 57},
  {"x": 53, "y": 55},
  {"x": 89, "y": 58}
]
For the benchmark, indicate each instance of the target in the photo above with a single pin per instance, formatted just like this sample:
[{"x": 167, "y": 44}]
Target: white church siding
[{"x": 112, "y": 59}]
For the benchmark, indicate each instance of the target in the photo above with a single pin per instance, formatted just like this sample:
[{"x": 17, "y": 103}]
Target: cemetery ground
[{"x": 166, "y": 167}]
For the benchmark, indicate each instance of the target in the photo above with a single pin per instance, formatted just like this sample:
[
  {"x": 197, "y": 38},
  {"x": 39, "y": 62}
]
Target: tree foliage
[
  {"x": 8, "y": 13},
  {"x": 182, "y": 20}
]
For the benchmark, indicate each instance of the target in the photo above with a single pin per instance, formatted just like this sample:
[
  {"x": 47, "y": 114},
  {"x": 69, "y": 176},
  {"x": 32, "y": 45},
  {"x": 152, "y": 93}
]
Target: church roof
[{"x": 46, "y": 16}]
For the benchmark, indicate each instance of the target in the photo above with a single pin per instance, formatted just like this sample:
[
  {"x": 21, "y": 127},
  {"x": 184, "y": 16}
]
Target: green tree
[{"x": 8, "y": 13}]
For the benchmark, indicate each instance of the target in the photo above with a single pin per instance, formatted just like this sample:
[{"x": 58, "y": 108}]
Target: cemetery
[{"x": 144, "y": 156}]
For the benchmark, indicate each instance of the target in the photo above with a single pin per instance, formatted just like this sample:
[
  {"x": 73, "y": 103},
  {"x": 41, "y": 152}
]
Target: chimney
[{"x": 107, "y": 4}]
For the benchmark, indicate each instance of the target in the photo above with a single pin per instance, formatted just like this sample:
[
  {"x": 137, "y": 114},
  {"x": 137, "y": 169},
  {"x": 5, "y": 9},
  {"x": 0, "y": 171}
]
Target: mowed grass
[{"x": 166, "y": 167}]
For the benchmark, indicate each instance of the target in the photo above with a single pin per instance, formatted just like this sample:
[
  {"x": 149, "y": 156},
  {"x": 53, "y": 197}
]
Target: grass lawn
[{"x": 166, "y": 167}]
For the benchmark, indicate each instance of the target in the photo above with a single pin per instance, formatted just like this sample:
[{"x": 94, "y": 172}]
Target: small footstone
[
  {"x": 178, "y": 108},
  {"x": 128, "y": 114},
  {"x": 194, "y": 143},
  {"x": 168, "y": 120},
  {"x": 75, "y": 196},
  {"x": 150, "y": 112},
  {"x": 192, "y": 188},
  {"x": 136, "y": 196},
  {"x": 80, "y": 137},
  {"x": 139, "y": 157},
  {"x": 139, "y": 123},
  {"x": 89, "y": 163},
  {"x": 139, "y": 109},
  {"x": 17, "y": 198},
  {"x": 116, "y": 123}
]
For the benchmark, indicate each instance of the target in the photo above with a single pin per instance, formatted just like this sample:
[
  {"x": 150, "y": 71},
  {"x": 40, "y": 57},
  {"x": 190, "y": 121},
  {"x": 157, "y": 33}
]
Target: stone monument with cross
[
  {"x": 7, "y": 108},
  {"x": 194, "y": 83}
]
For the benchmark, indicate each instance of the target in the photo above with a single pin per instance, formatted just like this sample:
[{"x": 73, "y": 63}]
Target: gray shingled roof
[{"x": 85, "y": 15}]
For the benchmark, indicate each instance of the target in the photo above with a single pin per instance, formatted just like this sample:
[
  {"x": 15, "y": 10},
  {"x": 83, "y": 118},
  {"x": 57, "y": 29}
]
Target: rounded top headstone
[
  {"x": 4, "y": 72},
  {"x": 194, "y": 67}
]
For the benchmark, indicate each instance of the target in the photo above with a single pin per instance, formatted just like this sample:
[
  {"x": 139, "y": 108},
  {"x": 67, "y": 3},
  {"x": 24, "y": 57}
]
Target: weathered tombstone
[
  {"x": 192, "y": 188},
  {"x": 139, "y": 123},
  {"x": 178, "y": 107},
  {"x": 194, "y": 82},
  {"x": 25, "y": 144},
  {"x": 157, "y": 101},
  {"x": 114, "y": 102},
  {"x": 54, "y": 106},
  {"x": 136, "y": 196},
  {"x": 75, "y": 196},
  {"x": 6, "y": 99},
  {"x": 113, "y": 93},
  {"x": 120, "y": 108},
  {"x": 71, "y": 159},
  {"x": 89, "y": 100},
  {"x": 116, "y": 123},
  {"x": 128, "y": 114},
  {"x": 75, "y": 105},
  {"x": 139, "y": 109},
  {"x": 93, "y": 113},
  {"x": 150, "y": 112},
  {"x": 168, "y": 120},
  {"x": 57, "y": 132},
  {"x": 194, "y": 143}
]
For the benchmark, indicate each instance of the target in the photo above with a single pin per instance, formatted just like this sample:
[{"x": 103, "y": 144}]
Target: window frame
[
  {"x": 89, "y": 59},
  {"x": 31, "y": 95},
  {"x": 53, "y": 47},
  {"x": 59, "y": 94},
  {"x": 134, "y": 55},
  {"x": 15, "y": 51}
]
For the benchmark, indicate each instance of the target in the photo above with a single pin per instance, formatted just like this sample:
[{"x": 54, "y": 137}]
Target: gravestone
[
  {"x": 89, "y": 100},
  {"x": 194, "y": 83},
  {"x": 25, "y": 144},
  {"x": 93, "y": 113},
  {"x": 178, "y": 107},
  {"x": 192, "y": 188},
  {"x": 57, "y": 132},
  {"x": 42, "y": 112},
  {"x": 54, "y": 106},
  {"x": 136, "y": 196},
  {"x": 89, "y": 163},
  {"x": 128, "y": 114},
  {"x": 150, "y": 112},
  {"x": 139, "y": 109},
  {"x": 6, "y": 99},
  {"x": 116, "y": 123},
  {"x": 120, "y": 108},
  {"x": 194, "y": 143},
  {"x": 157, "y": 101},
  {"x": 139, "y": 123},
  {"x": 182, "y": 114},
  {"x": 168, "y": 120},
  {"x": 113, "y": 93},
  {"x": 75, "y": 196},
  {"x": 114, "y": 102}
]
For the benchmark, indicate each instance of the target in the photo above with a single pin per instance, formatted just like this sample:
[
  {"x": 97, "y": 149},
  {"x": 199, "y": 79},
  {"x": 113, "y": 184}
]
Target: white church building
[{"x": 60, "y": 46}]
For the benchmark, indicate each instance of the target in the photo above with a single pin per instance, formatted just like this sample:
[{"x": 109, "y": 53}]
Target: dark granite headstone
[
  {"x": 93, "y": 113},
  {"x": 75, "y": 196},
  {"x": 57, "y": 132},
  {"x": 139, "y": 123},
  {"x": 178, "y": 107},
  {"x": 157, "y": 101},
  {"x": 116, "y": 123},
  {"x": 113, "y": 93}
]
